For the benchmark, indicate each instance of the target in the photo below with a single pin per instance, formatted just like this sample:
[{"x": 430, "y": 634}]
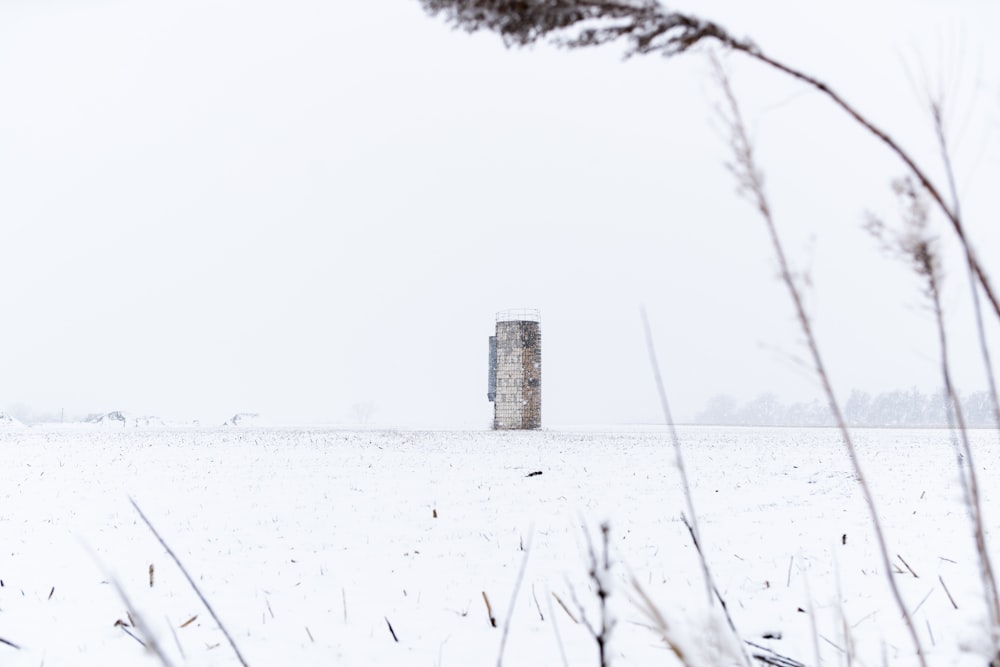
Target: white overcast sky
[{"x": 295, "y": 207}]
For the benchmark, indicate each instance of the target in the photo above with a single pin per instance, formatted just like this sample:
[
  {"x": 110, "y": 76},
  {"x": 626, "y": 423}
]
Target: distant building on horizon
[{"x": 515, "y": 364}]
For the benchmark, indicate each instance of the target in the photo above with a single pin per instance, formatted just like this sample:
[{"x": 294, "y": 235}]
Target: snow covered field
[{"x": 309, "y": 542}]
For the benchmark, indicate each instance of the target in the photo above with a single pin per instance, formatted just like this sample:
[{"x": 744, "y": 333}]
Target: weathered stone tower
[{"x": 515, "y": 381}]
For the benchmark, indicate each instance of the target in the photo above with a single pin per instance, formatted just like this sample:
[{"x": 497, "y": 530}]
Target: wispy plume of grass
[
  {"x": 914, "y": 244},
  {"x": 750, "y": 181}
]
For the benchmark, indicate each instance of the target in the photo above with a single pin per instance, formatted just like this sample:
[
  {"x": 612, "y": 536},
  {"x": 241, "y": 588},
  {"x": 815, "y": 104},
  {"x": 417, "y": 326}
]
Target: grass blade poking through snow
[
  {"x": 513, "y": 598},
  {"x": 145, "y": 636},
  {"x": 692, "y": 524},
  {"x": 194, "y": 586}
]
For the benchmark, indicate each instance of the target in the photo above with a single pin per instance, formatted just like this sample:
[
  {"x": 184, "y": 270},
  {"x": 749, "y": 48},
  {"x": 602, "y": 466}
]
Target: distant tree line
[{"x": 891, "y": 408}]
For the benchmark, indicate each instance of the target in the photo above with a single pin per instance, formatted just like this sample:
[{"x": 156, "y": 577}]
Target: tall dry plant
[
  {"x": 750, "y": 180},
  {"x": 647, "y": 27},
  {"x": 915, "y": 245},
  {"x": 936, "y": 105}
]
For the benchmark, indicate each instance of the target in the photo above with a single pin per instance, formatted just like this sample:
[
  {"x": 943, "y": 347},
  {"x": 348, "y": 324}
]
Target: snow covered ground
[{"x": 308, "y": 543}]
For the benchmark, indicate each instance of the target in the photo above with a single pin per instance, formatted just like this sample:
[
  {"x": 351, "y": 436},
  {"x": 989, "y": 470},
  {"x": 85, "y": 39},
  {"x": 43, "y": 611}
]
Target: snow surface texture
[
  {"x": 6, "y": 421},
  {"x": 307, "y": 541}
]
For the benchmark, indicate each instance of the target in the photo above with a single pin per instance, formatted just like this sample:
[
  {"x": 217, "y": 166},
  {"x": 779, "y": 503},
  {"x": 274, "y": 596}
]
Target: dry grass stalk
[
  {"x": 148, "y": 638},
  {"x": 599, "y": 572},
  {"x": 124, "y": 628},
  {"x": 177, "y": 640},
  {"x": 947, "y": 592},
  {"x": 391, "y": 631},
  {"x": 715, "y": 589},
  {"x": 649, "y": 28},
  {"x": 145, "y": 635},
  {"x": 751, "y": 184},
  {"x": 907, "y": 565},
  {"x": 189, "y": 621},
  {"x": 208, "y": 607},
  {"x": 692, "y": 526},
  {"x": 675, "y": 441},
  {"x": 534, "y": 597},
  {"x": 555, "y": 630},
  {"x": 914, "y": 244},
  {"x": 489, "y": 611},
  {"x": 513, "y": 598},
  {"x": 565, "y": 608},
  {"x": 769, "y": 656},
  {"x": 658, "y": 622},
  {"x": 922, "y": 601},
  {"x": 936, "y": 104}
]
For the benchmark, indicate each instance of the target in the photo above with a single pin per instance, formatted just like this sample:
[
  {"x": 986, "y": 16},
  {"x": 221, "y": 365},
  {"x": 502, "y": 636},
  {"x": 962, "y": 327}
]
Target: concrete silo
[{"x": 515, "y": 379}]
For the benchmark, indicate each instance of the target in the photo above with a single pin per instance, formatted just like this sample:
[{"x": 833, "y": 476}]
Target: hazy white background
[{"x": 295, "y": 207}]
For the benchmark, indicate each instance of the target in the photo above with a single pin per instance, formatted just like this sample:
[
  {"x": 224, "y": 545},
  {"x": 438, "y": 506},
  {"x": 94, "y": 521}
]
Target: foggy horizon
[{"x": 297, "y": 210}]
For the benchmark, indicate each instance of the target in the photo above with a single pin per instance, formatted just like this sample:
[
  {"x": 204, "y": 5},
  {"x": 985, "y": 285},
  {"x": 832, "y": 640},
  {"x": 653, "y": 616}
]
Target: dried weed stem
[{"x": 751, "y": 184}]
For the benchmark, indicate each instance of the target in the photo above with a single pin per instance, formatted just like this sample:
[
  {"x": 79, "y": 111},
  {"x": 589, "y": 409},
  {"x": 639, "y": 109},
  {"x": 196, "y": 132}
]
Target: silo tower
[{"x": 515, "y": 380}]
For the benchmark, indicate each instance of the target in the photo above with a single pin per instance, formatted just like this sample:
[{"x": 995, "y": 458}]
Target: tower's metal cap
[{"x": 520, "y": 315}]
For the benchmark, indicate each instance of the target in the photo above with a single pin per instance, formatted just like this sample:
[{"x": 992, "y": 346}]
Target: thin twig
[
  {"x": 565, "y": 608},
  {"x": 833, "y": 644},
  {"x": 901, "y": 560},
  {"x": 956, "y": 205},
  {"x": 177, "y": 639},
  {"x": 967, "y": 469},
  {"x": 659, "y": 622},
  {"x": 513, "y": 598},
  {"x": 489, "y": 611},
  {"x": 674, "y": 439},
  {"x": 555, "y": 628},
  {"x": 715, "y": 589},
  {"x": 534, "y": 597},
  {"x": 771, "y": 657},
  {"x": 947, "y": 592},
  {"x": 751, "y": 183},
  {"x": 986, "y": 566},
  {"x": 137, "y": 620},
  {"x": 180, "y": 566},
  {"x": 921, "y": 603},
  {"x": 651, "y": 28},
  {"x": 953, "y": 217},
  {"x": 125, "y": 629},
  {"x": 692, "y": 526}
]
